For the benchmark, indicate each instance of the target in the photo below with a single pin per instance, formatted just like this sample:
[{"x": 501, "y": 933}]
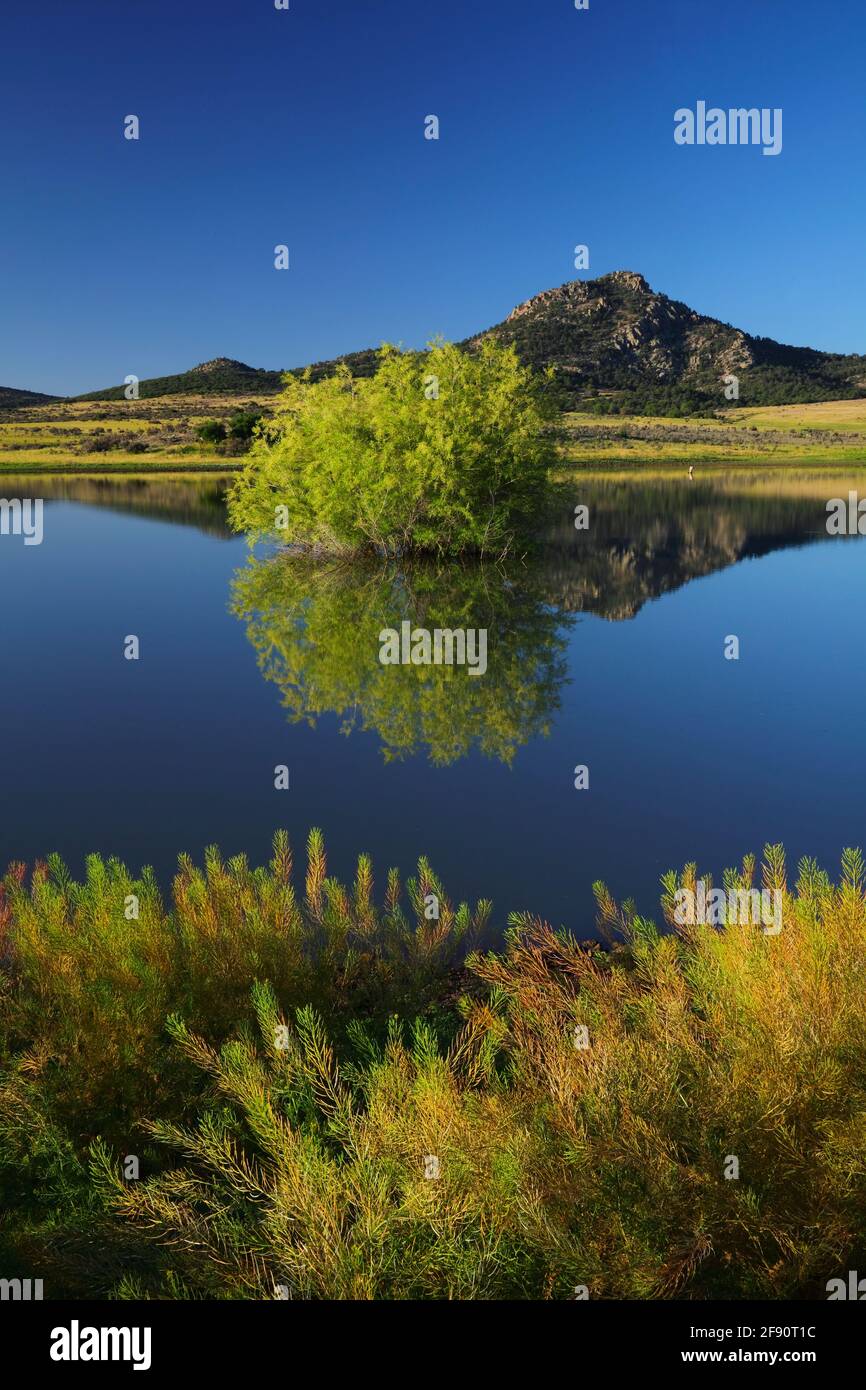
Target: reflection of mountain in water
[
  {"x": 648, "y": 539},
  {"x": 647, "y": 536},
  {"x": 316, "y": 625},
  {"x": 187, "y": 501}
]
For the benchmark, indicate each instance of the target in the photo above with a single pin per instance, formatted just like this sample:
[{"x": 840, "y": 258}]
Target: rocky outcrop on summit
[
  {"x": 222, "y": 364},
  {"x": 616, "y": 333}
]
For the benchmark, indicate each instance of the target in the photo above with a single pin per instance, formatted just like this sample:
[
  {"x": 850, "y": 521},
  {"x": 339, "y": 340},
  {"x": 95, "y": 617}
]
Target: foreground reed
[{"x": 260, "y": 1094}]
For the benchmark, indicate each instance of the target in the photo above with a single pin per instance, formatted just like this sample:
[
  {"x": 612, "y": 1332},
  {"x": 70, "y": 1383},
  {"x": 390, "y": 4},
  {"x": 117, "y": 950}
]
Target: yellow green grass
[
  {"x": 65, "y": 436},
  {"x": 825, "y": 432},
  {"x": 832, "y": 415}
]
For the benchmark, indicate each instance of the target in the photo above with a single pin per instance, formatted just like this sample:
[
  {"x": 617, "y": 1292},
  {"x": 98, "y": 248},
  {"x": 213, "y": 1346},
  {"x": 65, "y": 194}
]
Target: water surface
[{"x": 606, "y": 649}]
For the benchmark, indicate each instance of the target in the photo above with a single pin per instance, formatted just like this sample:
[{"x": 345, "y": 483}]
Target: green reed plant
[{"x": 86, "y": 989}]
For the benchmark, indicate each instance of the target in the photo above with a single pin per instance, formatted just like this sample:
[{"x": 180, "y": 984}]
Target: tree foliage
[{"x": 444, "y": 452}]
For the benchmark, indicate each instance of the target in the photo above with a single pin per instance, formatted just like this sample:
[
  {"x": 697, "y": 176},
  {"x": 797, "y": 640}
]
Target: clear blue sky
[{"x": 305, "y": 127}]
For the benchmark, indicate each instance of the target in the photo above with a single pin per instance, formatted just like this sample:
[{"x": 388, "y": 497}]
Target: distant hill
[
  {"x": 223, "y": 376},
  {"x": 616, "y": 347},
  {"x": 10, "y": 399}
]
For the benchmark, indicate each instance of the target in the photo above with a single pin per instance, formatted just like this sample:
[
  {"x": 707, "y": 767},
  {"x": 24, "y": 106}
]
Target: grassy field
[
  {"x": 827, "y": 432},
  {"x": 159, "y": 434},
  {"x": 839, "y": 416},
  {"x": 115, "y": 436}
]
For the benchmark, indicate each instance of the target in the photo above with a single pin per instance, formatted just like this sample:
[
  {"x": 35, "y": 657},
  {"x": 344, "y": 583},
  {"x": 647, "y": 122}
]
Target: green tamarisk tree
[{"x": 446, "y": 452}]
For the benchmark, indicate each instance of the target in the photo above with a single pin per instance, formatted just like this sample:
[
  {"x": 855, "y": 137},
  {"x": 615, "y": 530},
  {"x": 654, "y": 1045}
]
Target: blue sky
[{"x": 306, "y": 127}]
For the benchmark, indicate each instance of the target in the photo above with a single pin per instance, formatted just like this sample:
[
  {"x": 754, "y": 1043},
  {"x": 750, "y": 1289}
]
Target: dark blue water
[{"x": 611, "y": 640}]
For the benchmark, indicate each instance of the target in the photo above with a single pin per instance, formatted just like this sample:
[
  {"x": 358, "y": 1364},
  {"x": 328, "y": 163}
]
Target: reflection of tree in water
[{"x": 315, "y": 626}]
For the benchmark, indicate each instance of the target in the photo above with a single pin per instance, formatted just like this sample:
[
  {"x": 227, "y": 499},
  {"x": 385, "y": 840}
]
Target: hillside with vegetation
[
  {"x": 639, "y": 377},
  {"x": 165, "y": 433},
  {"x": 617, "y": 346},
  {"x": 223, "y": 376},
  {"x": 11, "y": 399}
]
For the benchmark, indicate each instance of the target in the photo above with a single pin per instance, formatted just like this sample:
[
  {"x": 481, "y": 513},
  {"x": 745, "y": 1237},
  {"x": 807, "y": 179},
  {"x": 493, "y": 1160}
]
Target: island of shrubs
[{"x": 445, "y": 452}]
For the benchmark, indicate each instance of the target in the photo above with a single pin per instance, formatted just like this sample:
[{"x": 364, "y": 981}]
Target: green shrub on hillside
[{"x": 211, "y": 432}]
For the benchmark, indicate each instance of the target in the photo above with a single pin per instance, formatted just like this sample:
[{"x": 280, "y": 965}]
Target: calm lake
[{"x": 604, "y": 650}]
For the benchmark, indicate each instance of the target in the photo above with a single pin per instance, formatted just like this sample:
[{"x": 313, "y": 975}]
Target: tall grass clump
[
  {"x": 445, "y": 452},
  {"x": 680, "y": 1115},
  {"x": 86, "y": 989}
]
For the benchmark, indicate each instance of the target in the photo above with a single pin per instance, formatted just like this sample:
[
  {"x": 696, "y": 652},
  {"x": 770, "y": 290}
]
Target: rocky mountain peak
[{"x": 219, "y": 364}]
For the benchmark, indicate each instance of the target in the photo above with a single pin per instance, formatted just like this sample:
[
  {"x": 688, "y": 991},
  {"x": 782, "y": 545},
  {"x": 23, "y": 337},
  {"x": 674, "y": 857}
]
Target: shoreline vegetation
[
  {"x": 281, "y": 1085},
  {"x": 159, "y": 435},
  {"x": 640, "y": 379}
]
